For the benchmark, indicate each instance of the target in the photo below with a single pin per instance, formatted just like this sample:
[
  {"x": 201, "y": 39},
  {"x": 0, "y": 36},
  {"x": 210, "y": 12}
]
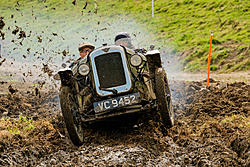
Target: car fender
[{"x": 66, "y": 75}]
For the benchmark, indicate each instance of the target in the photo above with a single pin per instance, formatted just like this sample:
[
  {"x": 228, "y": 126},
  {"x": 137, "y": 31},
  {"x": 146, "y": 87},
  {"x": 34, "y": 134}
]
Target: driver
[
  {"x": 123, "y": 39},
  {"x": 84, "y": 49}
]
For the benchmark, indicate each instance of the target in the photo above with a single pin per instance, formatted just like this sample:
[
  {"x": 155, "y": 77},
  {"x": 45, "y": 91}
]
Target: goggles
[{"x": 85, "y": 50}]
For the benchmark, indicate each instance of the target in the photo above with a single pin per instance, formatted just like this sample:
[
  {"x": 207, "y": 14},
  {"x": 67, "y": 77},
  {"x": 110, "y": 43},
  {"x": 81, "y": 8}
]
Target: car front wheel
[
  {"x": 164, "y": 98},
  {"x": 69, "y": 107}
]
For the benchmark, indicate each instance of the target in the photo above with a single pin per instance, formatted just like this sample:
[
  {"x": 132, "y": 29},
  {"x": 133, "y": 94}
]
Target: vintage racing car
[{"x": 111, "y": 81}]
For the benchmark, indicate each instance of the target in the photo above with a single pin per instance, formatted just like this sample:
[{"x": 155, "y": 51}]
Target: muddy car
[{"x": 113, "y": 81}]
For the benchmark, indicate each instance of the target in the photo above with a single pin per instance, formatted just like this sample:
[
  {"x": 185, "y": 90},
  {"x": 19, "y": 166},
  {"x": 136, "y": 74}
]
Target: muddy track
[
  {"x": 212, "y": 127},
  {"x": 212, "y": 130}
]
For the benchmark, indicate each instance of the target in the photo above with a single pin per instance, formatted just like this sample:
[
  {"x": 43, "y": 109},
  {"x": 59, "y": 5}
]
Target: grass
[
  {"x": 178, "y": 25},
  {"x": 185, "y": 24},
  {"x": 237, "y": 120},
  {"x": 27, "y": 132},
  {"x": 21, "y": 126}
]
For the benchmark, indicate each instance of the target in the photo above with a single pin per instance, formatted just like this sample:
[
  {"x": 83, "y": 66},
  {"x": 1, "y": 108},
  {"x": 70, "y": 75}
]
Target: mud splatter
[
  {"x": 1, "y": 62},
  {"x": 12, "y": 90},
  {"x": 2, "y": 24},
  {"x": 46, "y": 69},
  {"x": 15, "y": 31}
]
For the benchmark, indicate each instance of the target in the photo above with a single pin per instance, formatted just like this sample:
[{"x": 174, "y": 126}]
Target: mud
[
  {"x": 2, "y": 24},
  {"x": 212, "y": 124},
  {"x": 212, "y": 129}
]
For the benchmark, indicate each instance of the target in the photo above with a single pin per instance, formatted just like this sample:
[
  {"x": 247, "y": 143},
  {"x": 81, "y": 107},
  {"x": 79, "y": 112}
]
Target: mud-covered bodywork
[{"x": 112, "y": 81}]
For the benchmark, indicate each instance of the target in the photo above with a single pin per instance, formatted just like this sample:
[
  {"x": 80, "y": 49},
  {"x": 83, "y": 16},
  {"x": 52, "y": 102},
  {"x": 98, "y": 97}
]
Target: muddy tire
[
  {"x": 164, "y": 98},
  {"x": 69, "y": 109}
]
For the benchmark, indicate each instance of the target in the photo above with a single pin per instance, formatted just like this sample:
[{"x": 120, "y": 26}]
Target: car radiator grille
[{"x": 110, "y": 70}]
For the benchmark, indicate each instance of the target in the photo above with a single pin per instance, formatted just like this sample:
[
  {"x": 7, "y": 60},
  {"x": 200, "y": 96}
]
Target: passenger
[
  {"x": 123, "y": 39},
  {"x": 84, "y": 49}
]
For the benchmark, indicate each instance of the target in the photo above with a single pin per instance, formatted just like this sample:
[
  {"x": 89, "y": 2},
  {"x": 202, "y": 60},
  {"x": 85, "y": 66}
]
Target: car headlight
[
  {"x": 136, "y": 60},
  {"x": 83, "y": 69}
]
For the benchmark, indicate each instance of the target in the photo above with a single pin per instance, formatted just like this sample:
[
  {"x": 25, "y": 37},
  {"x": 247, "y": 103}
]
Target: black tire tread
[
  {"x": 161, "y": 89},
  {"x": 68, "y": 116}
]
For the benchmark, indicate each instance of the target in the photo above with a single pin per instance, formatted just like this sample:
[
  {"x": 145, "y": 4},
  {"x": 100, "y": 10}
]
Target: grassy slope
[
  {"x": 182, "y": 25},
  {"x": 187, "y": 24}
]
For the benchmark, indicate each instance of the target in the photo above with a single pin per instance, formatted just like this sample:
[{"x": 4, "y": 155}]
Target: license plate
[{"x": 116, "y": 102}]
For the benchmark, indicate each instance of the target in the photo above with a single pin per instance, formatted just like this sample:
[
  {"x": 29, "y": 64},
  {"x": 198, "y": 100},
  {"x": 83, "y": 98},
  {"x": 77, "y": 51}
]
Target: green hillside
[
  {"x": 186, "y": 26},
  {"x": 182, "y": 27}
]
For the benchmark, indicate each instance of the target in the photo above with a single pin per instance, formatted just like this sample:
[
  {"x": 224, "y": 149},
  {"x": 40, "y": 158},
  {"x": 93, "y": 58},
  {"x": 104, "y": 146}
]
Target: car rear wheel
[
  {"x": 164, "y": 98},
  {"x": 69, "y": 109}
]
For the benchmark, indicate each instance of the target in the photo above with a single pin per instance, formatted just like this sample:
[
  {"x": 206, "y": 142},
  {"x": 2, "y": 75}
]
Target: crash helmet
[{"x": 123, "y": 39}]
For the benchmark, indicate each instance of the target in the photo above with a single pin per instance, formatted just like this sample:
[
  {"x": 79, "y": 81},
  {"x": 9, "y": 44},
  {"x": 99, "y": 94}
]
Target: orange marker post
[{"x": 209, "y": 59}]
